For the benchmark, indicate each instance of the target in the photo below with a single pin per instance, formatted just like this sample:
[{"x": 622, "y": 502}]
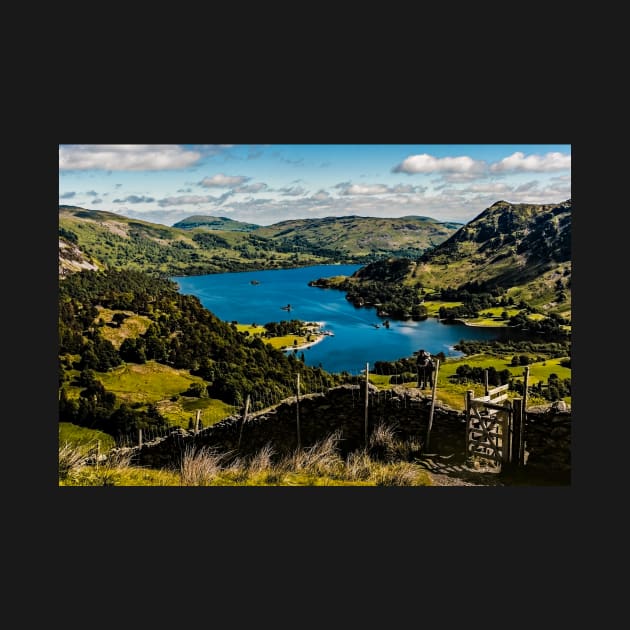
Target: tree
[{"x": 119, "y": 318}]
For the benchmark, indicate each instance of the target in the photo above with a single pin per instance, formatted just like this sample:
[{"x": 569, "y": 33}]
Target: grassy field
[
  {"x": 182, "y": 410},
  {"x": 433, "y": 306},
  {"x": 286, "y": 341},
  {"x": 453, "y": 394},
  {"x": 163, "y": 386},
  {"x": 147, "y": 382},
  {"x": 84, "y": 437},
  {"x": 133, "y": 326},
  {"x": 318, "y": 465}
]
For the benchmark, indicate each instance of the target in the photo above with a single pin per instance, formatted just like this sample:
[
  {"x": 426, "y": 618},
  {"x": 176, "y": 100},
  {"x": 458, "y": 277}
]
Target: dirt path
[
  {"x": 447, "y": 470},
  {"x": 450, "y": 470}
]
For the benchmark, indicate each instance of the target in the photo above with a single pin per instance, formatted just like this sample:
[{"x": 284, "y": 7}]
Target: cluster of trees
[
  {"x": 467, "y": 374},
  {"x": 554, "y": 389},
  {"x": 207, "y": 240},
  {"x": 99, "y": 409},
  {"x": 547, "y": 328},
  {"x": 284, "y": 327},
  {"x": 392, "y": 300},
  {"x": 509, "y": 347},
  {"x": 182, "y": 334},
  {"x": 400, "y": 366}
]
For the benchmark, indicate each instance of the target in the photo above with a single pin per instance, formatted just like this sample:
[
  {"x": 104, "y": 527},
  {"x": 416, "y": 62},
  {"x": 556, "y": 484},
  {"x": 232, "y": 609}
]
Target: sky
[{"x": 265, "y": 184}]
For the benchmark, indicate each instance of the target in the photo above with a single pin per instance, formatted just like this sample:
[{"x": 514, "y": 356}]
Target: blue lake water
[{"x": 356, "y": 341}]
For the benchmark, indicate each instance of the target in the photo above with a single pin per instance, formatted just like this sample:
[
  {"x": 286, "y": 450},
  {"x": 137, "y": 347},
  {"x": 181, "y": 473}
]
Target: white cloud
[
  {"x": 425, "y": 163},
  {"x": 553, "y": 161},
  {"x": 364, "y": 189},
  {"x": 321, "y": 195},
  {"x": 125, "y": 157},
  {"x": 222, "y": 181},
  {"x": 486, "y": 188},
  {"x": 346, "y": 188},
  {"x": 187, "y": 200}
]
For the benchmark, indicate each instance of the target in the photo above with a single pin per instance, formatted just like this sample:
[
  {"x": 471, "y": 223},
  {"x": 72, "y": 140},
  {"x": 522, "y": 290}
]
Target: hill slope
[
  {"x": 361, "y": 236},
  {"x": 215, "y": 223},
  {"x": 110, "y": 240},
  {"x": 522, "y": 250}
]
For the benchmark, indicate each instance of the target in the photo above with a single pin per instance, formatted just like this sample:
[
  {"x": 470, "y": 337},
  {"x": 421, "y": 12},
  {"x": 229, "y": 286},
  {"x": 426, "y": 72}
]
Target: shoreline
[
  {"x": 308, "y": 344},
  {"x": 304, "y": 346}
]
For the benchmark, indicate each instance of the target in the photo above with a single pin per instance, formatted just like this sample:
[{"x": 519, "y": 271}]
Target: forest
[{"x": 181, "y": 334}]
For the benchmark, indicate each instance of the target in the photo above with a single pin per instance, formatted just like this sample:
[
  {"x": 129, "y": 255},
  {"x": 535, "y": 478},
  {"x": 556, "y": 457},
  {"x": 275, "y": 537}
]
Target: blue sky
[{"x": 265, "y": 184}]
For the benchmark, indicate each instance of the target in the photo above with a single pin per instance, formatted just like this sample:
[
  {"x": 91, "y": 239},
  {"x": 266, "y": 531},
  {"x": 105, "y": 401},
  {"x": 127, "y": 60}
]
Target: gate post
[
  {"x": 505, "y": 439},
  {"x": 517, "y": 434},
  {"x": 468, "y": 405}
]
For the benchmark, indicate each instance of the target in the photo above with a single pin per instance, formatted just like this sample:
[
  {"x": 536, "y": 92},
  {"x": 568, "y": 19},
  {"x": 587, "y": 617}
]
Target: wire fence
[{"x": 381, "y": 375}]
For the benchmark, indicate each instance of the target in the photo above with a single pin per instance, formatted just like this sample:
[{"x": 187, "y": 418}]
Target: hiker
[{"x": 425, "y": 366}]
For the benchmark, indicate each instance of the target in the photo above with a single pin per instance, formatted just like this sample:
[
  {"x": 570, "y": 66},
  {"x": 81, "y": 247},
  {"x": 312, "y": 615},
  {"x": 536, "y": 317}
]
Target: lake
[{"x": 356, "y": 340}]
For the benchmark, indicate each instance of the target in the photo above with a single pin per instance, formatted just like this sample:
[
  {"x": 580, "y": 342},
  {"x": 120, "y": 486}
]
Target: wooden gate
[{"x": 490, "y": 426}]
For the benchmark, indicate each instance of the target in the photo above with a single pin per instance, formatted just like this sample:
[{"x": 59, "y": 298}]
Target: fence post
[
  {"x": 297, "y": 412},
  {"x": 197, "y": 421},
  {"x": 485, "y": 382},
  {"x": 525, "y": 380},
  {"x": 367, "y": 373},
  {"x": 140, "y": 438},
  {"x": 240, "y": 434},
  {"x": 435, "y": 377}
]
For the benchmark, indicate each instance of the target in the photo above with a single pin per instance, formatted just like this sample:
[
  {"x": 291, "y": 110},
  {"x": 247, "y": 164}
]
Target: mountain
[
  {"x": 108, "y": 240},
  {"x": 522, "y": 250},
  {"x": 361, "y": 236},
  {"x": 214, "y": 223}
]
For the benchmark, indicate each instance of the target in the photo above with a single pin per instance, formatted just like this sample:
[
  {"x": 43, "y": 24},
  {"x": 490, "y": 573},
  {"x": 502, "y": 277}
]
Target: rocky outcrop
[{"x": 72, "y": 259}]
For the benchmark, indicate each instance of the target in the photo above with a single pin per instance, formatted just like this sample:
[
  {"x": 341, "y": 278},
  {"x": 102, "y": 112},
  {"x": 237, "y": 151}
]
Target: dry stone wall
[{"x": 342, "y": 410}]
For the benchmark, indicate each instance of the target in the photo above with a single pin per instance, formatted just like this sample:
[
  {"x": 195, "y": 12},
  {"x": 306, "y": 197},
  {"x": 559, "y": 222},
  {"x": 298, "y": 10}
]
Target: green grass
[
  {"x": 453, "y": 394},
  {"x": 179, "y": 412},
  {"x": 433, "y": 306},
  {"x": 127, "y": 476},
  {"x": 253, "y": 330},
  {"x": 317, "y": 465},
  {"x": 154, "y": 383},
  {"x": 280, "y": 343},
  {"x": 147, "y": 383},
  {"x": 133, "y": 326},
  {"x": 493, "y": 316},
  {"x": 380, "y": 380},
  {"x": 84, "y": 437}
]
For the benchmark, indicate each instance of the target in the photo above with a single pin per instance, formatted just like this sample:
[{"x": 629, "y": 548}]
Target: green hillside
[
  {"x": 170, "y": 357},
  {"x": 511, "y": 255},
  {"x": 99, "y": 239},
  {"x": 109, "y": 240},
  {"x": 367, "y": 237},
  {"x": 215, "y": 223}
]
